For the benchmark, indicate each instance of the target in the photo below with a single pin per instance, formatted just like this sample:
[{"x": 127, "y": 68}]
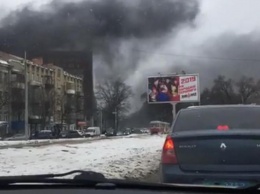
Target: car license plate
[{"x": 228, "y": 183}]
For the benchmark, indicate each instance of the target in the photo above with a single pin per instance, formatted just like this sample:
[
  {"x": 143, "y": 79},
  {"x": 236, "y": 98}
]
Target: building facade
[
  {"x": 54, "y": 95},
  {"x": 78, "y": 63}
]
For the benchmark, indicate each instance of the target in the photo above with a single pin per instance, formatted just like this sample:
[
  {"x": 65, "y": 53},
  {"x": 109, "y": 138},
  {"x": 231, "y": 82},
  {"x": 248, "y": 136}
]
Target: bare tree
[
  {"x": 247, "y": 88},
  {"x": 60, "y": 99},
  {"x": 223, "y": 90},
  {"x": 114, "y": 95},
  {"x": 206, "y": 96},
  {"x": 47, "y": 106}
]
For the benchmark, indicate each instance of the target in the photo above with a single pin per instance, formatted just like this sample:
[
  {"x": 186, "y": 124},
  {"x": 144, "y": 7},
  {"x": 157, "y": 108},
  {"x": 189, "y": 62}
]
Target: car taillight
[{"x": 168, "y": 152}]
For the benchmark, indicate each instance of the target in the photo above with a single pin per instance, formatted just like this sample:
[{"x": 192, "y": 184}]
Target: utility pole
[
  {"x": 9, "y": 94},
  {"x": 26, "y": 110},
  {"x": 116, "y": 119},
  {"x": 101, "y": 119}
]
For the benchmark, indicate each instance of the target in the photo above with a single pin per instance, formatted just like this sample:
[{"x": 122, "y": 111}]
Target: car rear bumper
[{"x": 173, "y": 174}]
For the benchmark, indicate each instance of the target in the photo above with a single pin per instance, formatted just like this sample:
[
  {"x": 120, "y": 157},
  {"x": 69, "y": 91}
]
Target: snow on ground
[
  {"x": 116, "y": 158},
  {"x": 32, "y": 142}
]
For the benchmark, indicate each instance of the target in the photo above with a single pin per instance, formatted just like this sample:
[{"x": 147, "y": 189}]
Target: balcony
[
  {"x": 35, "y": 119},
  {"x": 48, "y": 81},
  {"x": 18, "y": 85},
  {"x": 70, "y": 88},
  {"x": 18, "y": 81},
  {"x": 35, "y": 83}
]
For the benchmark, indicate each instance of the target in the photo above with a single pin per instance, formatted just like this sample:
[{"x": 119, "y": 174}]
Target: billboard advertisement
[{"x": 176, "y": 88}]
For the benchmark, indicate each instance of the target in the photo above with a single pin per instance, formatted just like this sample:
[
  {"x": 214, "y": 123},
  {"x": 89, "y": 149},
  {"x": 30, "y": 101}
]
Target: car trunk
[{"x": 218, "y": 151}]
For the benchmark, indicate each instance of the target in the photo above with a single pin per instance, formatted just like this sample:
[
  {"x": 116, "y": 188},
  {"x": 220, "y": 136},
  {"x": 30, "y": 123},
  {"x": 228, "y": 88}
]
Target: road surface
[
  {"x": 153, "y": 176},
  {"x": 127, "y": 158}
]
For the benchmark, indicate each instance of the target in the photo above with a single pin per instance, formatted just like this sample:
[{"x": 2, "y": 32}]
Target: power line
[{"x": 201, "y": 57}]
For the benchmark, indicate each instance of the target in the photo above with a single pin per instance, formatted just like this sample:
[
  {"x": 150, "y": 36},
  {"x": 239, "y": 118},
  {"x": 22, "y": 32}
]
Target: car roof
[{"x": 222, "y": 106}]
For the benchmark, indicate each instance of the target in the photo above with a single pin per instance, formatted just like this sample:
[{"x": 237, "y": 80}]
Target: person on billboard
[
  {"x": 153, "y": 92},
  {"x": 152, "y": 96},
  {"x": 163, "y": 94},
  {"x": 169, "y": 86},
  {"x": 174, "y": 89}
]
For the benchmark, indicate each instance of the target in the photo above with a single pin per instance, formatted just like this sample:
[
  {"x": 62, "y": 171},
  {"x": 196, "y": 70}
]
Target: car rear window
[{"x": 214, "y": 118}]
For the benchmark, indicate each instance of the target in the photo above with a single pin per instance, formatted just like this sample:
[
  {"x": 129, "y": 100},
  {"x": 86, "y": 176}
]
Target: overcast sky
[{"x": 221, "y": 28}]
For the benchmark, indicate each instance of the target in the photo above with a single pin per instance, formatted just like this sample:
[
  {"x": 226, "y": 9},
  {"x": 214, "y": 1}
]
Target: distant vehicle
[
  {"x": 127, "y": 131},
  {"x": 45, "y": 134},
  {"x": 157, "y": 127},
  {"x": 216, "y": 145},
  {"x": 80, "y": 132},
  {"x": 92, "y": 132},
  {"x": 137, "y": 131},
  {"x": 120, "y": 133},
  {"x": 70, "y": 134},
  {"x": 144, "y": 130},
  {"x": 110, "y": 132}
]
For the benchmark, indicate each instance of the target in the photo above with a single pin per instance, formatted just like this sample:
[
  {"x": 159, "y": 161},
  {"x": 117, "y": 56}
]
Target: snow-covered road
[{"x": 115, "y": 158}]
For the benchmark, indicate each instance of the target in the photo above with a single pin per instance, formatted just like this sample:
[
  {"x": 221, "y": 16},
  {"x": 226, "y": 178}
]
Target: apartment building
[
  {"x": 69, "y": 105},
  {"x": 55, "y": 96},
  {"x": 76, "y": 62}
]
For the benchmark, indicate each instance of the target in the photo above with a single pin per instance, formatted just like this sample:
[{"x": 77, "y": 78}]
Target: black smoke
[{"x": 89, "y": 24}]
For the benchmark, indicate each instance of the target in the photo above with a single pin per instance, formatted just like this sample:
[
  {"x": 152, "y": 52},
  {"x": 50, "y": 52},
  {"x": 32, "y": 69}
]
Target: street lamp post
[
  {"x": 100, "y": 108},
  {"x": 26, "y": 114},
  {"x": 101, "y": 119},
  {"x": 116, "y": 115},
  {"x": 26, "y": 109}
]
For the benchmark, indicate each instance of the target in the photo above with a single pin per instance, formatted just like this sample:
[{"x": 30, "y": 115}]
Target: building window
[
  {"x": 59, "y": 73},
  {"x": 38, "y": 71},
  {"x": 28, "y": 68},
  {"x": 1, "y": 77},
  {"x": 5, "y": 77}
]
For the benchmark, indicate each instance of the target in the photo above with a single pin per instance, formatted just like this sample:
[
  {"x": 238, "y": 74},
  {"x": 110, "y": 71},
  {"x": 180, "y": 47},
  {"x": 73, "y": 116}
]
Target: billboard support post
[{"x": 173, "y": 110}]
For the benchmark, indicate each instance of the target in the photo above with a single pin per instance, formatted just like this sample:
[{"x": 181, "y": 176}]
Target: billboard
[{"x": 176, "y": 88}]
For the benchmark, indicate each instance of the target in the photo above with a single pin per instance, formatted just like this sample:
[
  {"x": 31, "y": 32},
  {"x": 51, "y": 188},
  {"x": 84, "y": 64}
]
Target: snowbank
[
  {"x": 21, "y": 143},
  {"x": 115, "y": 158},
  {"x": 44, "y": 141}
]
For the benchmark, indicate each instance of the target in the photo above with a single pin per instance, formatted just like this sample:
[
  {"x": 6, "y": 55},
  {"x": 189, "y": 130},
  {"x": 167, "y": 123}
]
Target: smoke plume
[
  {"x": 89, "y": 23},
  {"x": 112, "y": 29}
]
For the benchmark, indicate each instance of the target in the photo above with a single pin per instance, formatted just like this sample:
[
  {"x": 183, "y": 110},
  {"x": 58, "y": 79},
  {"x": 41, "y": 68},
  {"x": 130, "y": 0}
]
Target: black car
[
  {"x": 70, "y": 134},
  {"x": 44, "y": 134},
  {"x": 217, "y": 145}
]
